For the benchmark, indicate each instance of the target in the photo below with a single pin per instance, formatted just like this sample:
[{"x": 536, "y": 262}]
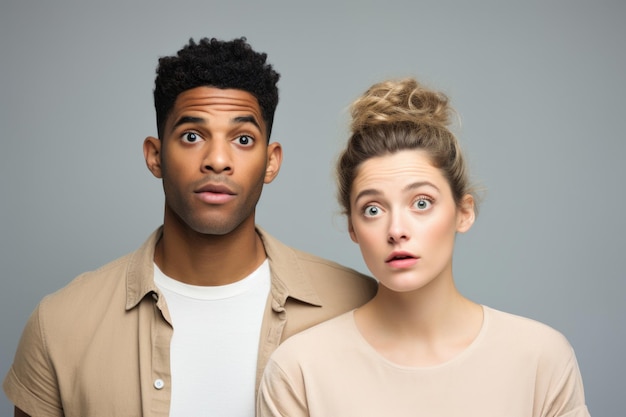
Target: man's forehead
[
  {"x": 206, "y": 95},
  {"x": 212, "y": 98},
  {"x": 198, "y": 103}
]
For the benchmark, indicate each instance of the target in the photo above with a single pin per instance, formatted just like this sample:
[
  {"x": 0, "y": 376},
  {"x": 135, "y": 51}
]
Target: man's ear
[
  {"x": 466, "y": 214},
  {"x": 152, "y": 155},
  {"x": 274, "y": 161}
]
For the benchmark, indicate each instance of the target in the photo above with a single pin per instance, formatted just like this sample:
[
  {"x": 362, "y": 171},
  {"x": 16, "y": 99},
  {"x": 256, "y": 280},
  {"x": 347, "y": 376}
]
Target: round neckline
[
  {"x": 457, "y": 358},
  {"x": 212, "y": 292}
]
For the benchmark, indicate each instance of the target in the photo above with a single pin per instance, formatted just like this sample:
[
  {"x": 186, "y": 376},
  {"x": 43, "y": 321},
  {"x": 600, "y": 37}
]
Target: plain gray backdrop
[{"x": 540, "y": 87}]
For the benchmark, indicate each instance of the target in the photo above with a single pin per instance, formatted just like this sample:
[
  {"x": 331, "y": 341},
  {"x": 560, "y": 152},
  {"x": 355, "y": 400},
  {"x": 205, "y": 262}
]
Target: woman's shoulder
[
  {"x": 314, "y": 340},
  {"x": 529, "y": 336},
  {"x": 518, "y": 323}
]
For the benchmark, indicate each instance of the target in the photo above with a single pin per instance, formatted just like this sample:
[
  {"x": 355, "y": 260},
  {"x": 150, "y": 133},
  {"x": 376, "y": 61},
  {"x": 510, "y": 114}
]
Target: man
[{"x": 184, "y": 325}]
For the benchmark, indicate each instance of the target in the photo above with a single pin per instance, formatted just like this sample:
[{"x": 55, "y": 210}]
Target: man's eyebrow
[
  {"x": 247, "y": 119},
  {"x": 199, "y": 120},
  {"x": 189, "y": 119}
]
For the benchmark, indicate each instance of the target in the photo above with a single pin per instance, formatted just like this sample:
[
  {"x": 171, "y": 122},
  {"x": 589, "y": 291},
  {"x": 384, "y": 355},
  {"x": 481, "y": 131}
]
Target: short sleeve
[
  {"x": 567, "y": 397},
  {"x": 279, "y": 396},
  {"x": 31, "y": 383}
]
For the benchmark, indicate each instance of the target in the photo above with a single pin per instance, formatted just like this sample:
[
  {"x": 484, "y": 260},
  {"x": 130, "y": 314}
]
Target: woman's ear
[
  {"x": 466, "y": 214},
  {"x": 351, "y": 231}
]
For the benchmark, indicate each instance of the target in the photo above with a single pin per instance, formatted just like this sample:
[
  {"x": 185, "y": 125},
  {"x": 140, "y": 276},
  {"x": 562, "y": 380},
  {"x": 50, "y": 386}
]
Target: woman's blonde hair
[{"x": 397, "y": 115}]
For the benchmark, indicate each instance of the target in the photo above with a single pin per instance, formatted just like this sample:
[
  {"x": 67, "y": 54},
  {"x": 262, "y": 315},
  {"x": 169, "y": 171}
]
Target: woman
[{"x": 418, "y": 347}]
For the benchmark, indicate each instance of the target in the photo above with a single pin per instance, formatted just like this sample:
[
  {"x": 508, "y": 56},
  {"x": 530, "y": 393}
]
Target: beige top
[
  {"x": 515, "y": 367},
  {"x": 101, "y": 345}
]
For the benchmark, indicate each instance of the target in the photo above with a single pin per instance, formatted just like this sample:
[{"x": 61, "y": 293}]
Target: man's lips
[
  {"x": 214, "y": 188},
  {"x": 215, "y": 194}
]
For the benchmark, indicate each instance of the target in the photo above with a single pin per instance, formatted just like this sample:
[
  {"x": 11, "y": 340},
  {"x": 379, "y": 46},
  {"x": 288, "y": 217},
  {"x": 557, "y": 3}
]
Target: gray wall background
[{"x": 540, "y": 87}]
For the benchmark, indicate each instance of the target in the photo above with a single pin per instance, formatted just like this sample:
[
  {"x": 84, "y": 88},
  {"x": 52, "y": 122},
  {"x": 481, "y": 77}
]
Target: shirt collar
[
  {"x": 289, "y": 279},
  {"x": 140, "y": 272}
]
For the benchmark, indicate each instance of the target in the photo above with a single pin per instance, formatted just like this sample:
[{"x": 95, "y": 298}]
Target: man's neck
[{"x": 199, "y": 259}]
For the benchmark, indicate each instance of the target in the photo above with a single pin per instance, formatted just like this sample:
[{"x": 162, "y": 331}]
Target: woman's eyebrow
[
  {"x": 367, "y": 192},
  {"x": 414, "y": 185},
  {"x": 419, "y": 184}
]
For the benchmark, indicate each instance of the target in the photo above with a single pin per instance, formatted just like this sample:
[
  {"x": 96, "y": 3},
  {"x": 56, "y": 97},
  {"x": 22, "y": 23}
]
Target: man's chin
[
  {"x": 216, "y": 229},
  {"x": 210, "y": 224}
]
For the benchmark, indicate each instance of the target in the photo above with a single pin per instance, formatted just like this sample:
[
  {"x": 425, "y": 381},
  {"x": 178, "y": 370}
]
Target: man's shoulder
[
  {"x": 311, "y": 261},
  {"x": 107, "y": 282},
  {"x": 100, "y": 283},
  {"x": 316, "y": 269}
]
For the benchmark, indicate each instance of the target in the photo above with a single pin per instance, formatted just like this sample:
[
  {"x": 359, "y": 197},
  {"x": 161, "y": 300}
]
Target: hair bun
[{"x": 400, "y": 101}]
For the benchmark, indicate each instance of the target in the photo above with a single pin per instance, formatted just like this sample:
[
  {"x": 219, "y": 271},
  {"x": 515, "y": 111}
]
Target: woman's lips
[{"x": 401, "y": 260}]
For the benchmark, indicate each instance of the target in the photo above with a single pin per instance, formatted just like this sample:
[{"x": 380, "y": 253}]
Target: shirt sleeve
[
  {"x": 567, "y": 395},
  {"x": 279, "y": 396},
  {"x": 31, "y": 383}
]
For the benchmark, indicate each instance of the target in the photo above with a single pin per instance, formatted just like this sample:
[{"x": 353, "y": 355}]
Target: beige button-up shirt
[{"x": 101, "y": 345}]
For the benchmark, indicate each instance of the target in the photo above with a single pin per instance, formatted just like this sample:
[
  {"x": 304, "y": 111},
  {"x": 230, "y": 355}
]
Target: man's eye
[
  {"x": 244, "y": 140},
  {"x": 190, "y": 137},
  {"x": 371, "y": 211}
]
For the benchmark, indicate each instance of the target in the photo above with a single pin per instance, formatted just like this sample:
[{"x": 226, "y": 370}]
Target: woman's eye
[
  {"x": 422, "y": 204},
  {"x": 191, "y": 137},
  {"x": 371, "y": 211},
  {"x": 244, "y": 140}
]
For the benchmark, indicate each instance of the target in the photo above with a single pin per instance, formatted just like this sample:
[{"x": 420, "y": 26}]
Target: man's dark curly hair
[{"x": 216, "y": 63}]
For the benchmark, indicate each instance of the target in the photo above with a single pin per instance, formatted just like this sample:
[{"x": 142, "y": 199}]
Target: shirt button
[{"x": 158, "y": 383}]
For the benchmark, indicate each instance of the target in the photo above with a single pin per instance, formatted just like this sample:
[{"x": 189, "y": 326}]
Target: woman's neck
[{"x": 425, "y": 327}]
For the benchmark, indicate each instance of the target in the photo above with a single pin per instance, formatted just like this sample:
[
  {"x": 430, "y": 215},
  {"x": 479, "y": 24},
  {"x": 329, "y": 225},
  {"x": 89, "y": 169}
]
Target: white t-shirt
[{"x": 215, "y": 343}]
